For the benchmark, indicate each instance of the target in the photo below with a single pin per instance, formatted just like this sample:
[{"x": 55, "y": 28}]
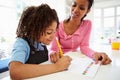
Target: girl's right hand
[
  {"x": 54, "y": 57},
  {"x": 63, "y": 63}
]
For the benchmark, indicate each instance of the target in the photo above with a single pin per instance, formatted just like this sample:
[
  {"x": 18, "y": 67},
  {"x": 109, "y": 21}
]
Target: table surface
[{"x": 105, "y": 72}]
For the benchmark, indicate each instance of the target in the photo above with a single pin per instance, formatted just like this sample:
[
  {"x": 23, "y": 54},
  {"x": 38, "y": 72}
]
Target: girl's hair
[
  {"x": 35, "y": 20},
  {"x": 89, "y": 6}
]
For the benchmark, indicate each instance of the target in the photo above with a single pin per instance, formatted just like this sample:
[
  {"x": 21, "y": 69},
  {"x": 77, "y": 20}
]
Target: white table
[
  {"x": 111, "y": 71},
  {"x": 105, "y": 72}
]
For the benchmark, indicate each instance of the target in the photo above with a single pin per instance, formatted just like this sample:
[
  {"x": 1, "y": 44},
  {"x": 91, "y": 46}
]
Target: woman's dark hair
[
  {"x": 90, "y": 3},
  {"x": 89, "y": 6},
  {"x": 35, "y": 20}
]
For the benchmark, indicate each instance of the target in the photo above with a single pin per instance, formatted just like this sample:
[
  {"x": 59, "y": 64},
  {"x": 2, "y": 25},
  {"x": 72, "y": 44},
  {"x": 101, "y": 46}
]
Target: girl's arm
[{"x": 20, "y": 71}]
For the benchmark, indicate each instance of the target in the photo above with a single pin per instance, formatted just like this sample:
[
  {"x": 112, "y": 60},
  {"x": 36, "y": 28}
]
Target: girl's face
[
  {"x": 79, "y": 9},
  {"x": 48, "y": 36}
]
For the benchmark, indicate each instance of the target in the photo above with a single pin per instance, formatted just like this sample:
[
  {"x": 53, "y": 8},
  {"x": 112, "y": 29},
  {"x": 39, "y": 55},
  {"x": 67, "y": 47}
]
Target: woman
[{"x": 74, "y": 33}]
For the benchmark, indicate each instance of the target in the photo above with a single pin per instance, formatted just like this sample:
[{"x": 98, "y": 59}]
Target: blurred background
[{"x": 105, "y": 17}]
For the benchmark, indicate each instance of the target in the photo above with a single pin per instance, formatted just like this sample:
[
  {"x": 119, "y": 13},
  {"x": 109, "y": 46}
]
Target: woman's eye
[
  {"x": 81, "y": 8},
  {"x": 73, "y": 4}
]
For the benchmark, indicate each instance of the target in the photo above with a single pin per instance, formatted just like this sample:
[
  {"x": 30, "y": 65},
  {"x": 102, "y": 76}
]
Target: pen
[{"x": 59, "y": 46}]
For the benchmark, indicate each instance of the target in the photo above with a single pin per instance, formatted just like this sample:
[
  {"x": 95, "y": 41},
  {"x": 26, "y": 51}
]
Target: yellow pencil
[{"x": 59, "y": 46}]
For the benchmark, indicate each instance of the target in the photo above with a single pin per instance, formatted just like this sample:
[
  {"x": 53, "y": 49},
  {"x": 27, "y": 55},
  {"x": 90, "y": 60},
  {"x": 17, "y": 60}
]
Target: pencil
[
  {"x": 59, "y": 46},
  {"x": 86, "y": 70}
]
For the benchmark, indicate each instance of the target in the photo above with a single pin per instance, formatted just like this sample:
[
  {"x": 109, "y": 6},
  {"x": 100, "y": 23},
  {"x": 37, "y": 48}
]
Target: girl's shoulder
[{"x": 21, "y": 42}]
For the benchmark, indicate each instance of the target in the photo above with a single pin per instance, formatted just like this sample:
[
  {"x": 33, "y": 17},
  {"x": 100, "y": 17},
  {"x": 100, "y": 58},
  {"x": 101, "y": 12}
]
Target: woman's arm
[{"x": 84, "y": 46}]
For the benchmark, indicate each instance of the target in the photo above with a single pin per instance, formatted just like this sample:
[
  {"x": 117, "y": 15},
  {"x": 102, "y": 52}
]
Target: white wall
[
  {"x": 58, "y": 5},
  {"x": 102, "y": 4},
  {"x": 107, "y": 3}
]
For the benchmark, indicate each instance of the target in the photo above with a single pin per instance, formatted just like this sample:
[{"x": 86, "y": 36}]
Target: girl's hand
[
  {"x": 63, "y": 63},
  {"x": 103, "y": 57},
  {"x": 54, "y": 57}
]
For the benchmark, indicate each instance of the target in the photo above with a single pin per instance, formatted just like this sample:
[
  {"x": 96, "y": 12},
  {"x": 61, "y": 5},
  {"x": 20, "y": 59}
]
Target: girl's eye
[{"x": 49, "y": 33}]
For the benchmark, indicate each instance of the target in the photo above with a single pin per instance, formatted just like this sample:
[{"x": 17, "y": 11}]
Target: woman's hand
[{"x": 103, "y": 57}]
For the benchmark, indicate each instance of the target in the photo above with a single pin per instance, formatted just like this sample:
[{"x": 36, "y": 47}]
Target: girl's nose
[{"x": 53, "y": 35}]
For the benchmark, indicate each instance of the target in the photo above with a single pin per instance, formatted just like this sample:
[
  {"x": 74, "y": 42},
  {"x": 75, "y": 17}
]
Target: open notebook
[
  {"x": 81, "y": 68},
  {"x": 82, "y": 65}
]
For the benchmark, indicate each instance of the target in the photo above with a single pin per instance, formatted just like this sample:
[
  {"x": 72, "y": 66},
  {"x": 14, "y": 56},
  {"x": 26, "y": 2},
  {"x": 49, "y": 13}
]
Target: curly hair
[{"x": 35, "y": 20}]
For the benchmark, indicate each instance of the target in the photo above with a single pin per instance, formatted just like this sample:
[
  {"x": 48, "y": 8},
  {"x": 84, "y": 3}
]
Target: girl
[{"x": 35, "y": 30}]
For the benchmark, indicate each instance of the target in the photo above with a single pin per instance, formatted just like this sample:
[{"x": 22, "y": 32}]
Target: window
[
  {"x": 118, "y": 10},
  {"x": 108, "y": 12},
  {"x": 9, "y": 15},
  {"x": 7, "y": 27},
  {"x": 118, "y": 23},
  {"x": 118, "y": 19},
  {"x": 106, "y": 23},
  {"x": 10, "y": 12}
]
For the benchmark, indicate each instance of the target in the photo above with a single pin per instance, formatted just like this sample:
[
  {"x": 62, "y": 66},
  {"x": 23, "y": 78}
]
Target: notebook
[{"x": 82, "y": 65}]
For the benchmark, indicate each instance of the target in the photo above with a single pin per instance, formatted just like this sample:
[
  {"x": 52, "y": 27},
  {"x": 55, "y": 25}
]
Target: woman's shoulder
[
  {"x": 61, "y": 23},
  {"x": 87, "y": 21}
]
